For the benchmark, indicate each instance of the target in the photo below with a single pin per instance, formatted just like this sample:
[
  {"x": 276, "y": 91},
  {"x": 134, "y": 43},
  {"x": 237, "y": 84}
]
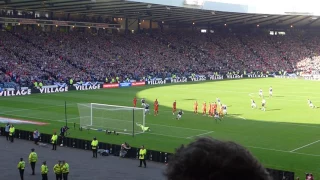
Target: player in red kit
[
  {"x": 210, "y": 109},
  {"x": 195, "y": 107},
  {"x": 174, "y": 107},
  {"x": 204, "y": 108},
  {"x": 215, "y": 106},
  {"x": 134, "y": 101},
  {"x": 156, "y": 107}
]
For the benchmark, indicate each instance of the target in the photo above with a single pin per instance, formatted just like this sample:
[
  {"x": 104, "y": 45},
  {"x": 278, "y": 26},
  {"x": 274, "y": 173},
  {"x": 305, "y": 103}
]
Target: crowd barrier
[{"x": 156, "y": 156}]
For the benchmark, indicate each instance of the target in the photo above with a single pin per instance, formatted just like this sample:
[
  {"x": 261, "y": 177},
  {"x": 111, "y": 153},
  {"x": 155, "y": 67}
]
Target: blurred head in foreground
[{"x": 210, "y": 159}]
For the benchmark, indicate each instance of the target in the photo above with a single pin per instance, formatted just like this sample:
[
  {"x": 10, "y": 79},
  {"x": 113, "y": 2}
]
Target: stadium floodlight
[{"x": 102, "y": 117}]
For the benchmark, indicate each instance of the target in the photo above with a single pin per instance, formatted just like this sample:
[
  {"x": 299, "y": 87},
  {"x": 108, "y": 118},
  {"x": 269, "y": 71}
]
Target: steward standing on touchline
[
  {"x": 58, "y": 171},
  {"x": 11, "y": 132},
  {"x": 94, "y": 146},
  {"x": 142, "y": 154},
  {"x": 54, "y": 141},
  {"x": 33, "y": 158},
  {"x": 44, "y": 171},
  {"x": 21, "y": 166},
  {"x": 65, "y": 170}
]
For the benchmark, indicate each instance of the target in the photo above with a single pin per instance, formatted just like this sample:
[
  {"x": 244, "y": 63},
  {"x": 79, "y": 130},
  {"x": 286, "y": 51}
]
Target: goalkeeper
[{"x": 143, "y": 127}]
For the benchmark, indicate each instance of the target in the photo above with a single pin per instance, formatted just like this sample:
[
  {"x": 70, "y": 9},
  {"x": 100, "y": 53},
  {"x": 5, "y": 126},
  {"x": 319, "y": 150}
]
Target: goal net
[{"x": 102, "y": 117}]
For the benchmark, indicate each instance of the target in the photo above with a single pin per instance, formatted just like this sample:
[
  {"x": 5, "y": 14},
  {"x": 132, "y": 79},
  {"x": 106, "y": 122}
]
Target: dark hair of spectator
[{"x": 210, "y": 159}]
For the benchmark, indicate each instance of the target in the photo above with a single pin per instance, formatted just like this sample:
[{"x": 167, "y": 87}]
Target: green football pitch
[{"x": 285, "y": 136}]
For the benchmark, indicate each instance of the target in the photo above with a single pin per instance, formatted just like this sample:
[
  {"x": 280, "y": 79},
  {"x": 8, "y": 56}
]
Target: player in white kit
[
  {"x": 224, "y": 109},
  {"x": 219, "y": 102},
  {"x": 263, "y": 105},
  {"x": 310, "y": 104},
  {"x": 143, "y": 102},
  {"x": 179, "y": 115},
  {"x": 260, "y": 92},
  {"x": 146, "y": 108},
  {"x": 253, "y": 104}
]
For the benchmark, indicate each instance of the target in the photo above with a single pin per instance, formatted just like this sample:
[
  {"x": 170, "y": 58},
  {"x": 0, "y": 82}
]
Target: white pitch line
[
  {"x": 177, "y": 127},
  {"x": 238, "y": 117},
  {"x": 200, "y": 134},
  {"x": 278, "y": 150},
  {"x": 305, "y": 146},
  {"x": 166, "y": 135}
]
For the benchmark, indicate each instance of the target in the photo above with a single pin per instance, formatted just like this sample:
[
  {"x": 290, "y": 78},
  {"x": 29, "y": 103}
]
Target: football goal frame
[{"x": 107, "y": 117}]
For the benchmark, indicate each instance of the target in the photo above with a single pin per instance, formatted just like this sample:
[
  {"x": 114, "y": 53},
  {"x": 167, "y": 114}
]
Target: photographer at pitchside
[{"x": 124, "y": 149}]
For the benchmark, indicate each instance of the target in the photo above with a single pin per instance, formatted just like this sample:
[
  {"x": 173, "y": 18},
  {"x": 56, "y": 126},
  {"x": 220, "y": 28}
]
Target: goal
[{"x": 102, "y": 117}]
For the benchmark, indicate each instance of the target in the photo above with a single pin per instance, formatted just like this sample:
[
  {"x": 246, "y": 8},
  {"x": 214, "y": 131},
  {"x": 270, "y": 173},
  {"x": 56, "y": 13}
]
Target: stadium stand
[{"x": 58, "y": 56}]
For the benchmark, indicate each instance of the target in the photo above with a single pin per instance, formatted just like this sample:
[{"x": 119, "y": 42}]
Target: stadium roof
[{"x": 156, "y": 12}]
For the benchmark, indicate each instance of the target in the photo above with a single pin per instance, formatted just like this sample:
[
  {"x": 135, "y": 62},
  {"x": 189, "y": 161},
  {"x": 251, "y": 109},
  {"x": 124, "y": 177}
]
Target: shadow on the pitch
[
  {"x": 274, "y": 110},
  {"x": 189, "y": 99}
]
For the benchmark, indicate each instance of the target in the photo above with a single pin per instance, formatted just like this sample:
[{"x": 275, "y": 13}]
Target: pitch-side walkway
[{"x": 82, "y": 165}]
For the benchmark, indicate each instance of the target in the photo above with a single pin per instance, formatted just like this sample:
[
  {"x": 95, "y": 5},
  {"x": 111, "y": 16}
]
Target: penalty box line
[
  {"x": 199, "y": 135},
  {"x": 305, "y": 146}
]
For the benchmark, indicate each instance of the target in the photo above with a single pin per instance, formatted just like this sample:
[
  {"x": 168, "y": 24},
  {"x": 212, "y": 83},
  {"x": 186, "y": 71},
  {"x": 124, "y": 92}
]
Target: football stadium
[{"x": 160, "y": 74}]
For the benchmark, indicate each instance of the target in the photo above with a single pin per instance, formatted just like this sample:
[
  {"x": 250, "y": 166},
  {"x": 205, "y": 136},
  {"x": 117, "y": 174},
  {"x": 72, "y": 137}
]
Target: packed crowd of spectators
[{"x": 28, "y": 56}]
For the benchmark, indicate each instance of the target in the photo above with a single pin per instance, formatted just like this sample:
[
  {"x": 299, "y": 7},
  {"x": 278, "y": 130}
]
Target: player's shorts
[
  {"x": 174, "y": 109},
  {"x": 310, "y": 105},
  {"x": 178, "y": 116},
  {"x": 146, "y": 110},
  {"x": 225, "y": 112},
  {"x": 216, "y": 116},
  {"x": 270, "y": 92},
  {"x": 262, "y": 104},
  {"x": 253, "y": 105},
  {"x": 260, "y": 94}
]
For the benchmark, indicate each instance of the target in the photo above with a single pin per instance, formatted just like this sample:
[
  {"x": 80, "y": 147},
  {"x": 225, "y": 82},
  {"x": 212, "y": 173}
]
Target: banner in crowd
[
  {"x": 124, "y": 84},
  {"x": 86, "y": 86},
  {"x": 60, "y": 84},
  {"x": 50, "y": 89},
  {"x": 111, "y": 85},
  {"x": 312, "y": 77},
  {"x": 13, "y": 92},
  {"x": 157, "y": 81},
  {"x": 141, "y": 83}
]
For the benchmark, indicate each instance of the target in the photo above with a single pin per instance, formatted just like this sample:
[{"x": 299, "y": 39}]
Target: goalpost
[{"x": 102, "y": 117}]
